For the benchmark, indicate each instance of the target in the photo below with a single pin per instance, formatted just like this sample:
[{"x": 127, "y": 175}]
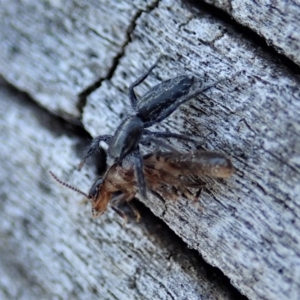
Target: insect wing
[{"x": 202, "y": 163}]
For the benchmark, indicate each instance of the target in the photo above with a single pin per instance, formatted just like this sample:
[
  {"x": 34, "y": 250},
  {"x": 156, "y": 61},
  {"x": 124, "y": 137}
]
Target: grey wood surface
[
  {"x": 50, "y": 246},
  {"x": 247, "y": 226},
  {"x": 56, "y": 50},
  {"x": 278, "y": 22}
]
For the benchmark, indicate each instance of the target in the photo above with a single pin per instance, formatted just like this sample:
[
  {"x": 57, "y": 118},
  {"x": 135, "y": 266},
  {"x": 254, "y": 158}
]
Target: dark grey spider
[{"x": 156, "y": 105}]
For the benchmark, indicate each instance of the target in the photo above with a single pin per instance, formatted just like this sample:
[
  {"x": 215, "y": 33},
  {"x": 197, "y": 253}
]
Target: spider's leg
[
  {"x": 132, "y": 95},
  {"x": 139, "y": 172},
  {"x": 147, "y": 140},
  {"x": 180, "y": 101},
  {"x": 93, "y": 147},
  {"x": 169, "y": 135}
]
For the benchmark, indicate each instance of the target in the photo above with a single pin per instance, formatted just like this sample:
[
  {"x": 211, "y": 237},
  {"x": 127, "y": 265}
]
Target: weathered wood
[
  {"x": 278, "y": 22},
  {"x": 52, "y": 248},
  {"x": 57, "y": 50},
  {"x": 248, "y": 226}
]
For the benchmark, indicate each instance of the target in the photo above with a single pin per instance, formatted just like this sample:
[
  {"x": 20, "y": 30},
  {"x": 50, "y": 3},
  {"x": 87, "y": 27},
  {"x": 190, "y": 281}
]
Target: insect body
[
  {"x": 161, "y": 168},
  {"x": 156, "y": 105}
]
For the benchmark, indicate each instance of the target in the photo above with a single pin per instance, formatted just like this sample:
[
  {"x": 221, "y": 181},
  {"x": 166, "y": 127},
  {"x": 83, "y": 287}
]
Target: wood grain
[
  {"x": 278, "y": 22},
  {"x": 247, "y": 226}
]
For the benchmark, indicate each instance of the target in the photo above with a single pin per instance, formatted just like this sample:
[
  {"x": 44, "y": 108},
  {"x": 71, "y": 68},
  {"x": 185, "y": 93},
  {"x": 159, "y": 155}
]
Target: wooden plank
[
  {"x": 55, "y": 51},
  {"x": 276, "y": 21},
  {"x": 248, "y": 226},
  {"x": 52, "y": 248}
]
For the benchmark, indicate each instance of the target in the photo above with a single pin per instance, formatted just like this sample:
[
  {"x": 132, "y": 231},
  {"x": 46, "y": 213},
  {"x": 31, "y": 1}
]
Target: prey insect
[
  {"x": 180, "y": 170},
  {"x": 156, "y": 105}
]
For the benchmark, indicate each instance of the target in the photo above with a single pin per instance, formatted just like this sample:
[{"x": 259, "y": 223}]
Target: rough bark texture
[
  {"x": 278, "y": 22},
  {"x": 248, "y": 226},
  {"x": 57, "y": 50},
  {"x": 50, "y": 246}
]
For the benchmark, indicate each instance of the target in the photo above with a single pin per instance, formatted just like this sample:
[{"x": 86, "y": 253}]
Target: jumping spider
[{"x": 156, "y": 105}]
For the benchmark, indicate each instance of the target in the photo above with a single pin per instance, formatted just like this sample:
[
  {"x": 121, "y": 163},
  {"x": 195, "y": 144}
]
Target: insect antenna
[{"x": 68, "y": 185}]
